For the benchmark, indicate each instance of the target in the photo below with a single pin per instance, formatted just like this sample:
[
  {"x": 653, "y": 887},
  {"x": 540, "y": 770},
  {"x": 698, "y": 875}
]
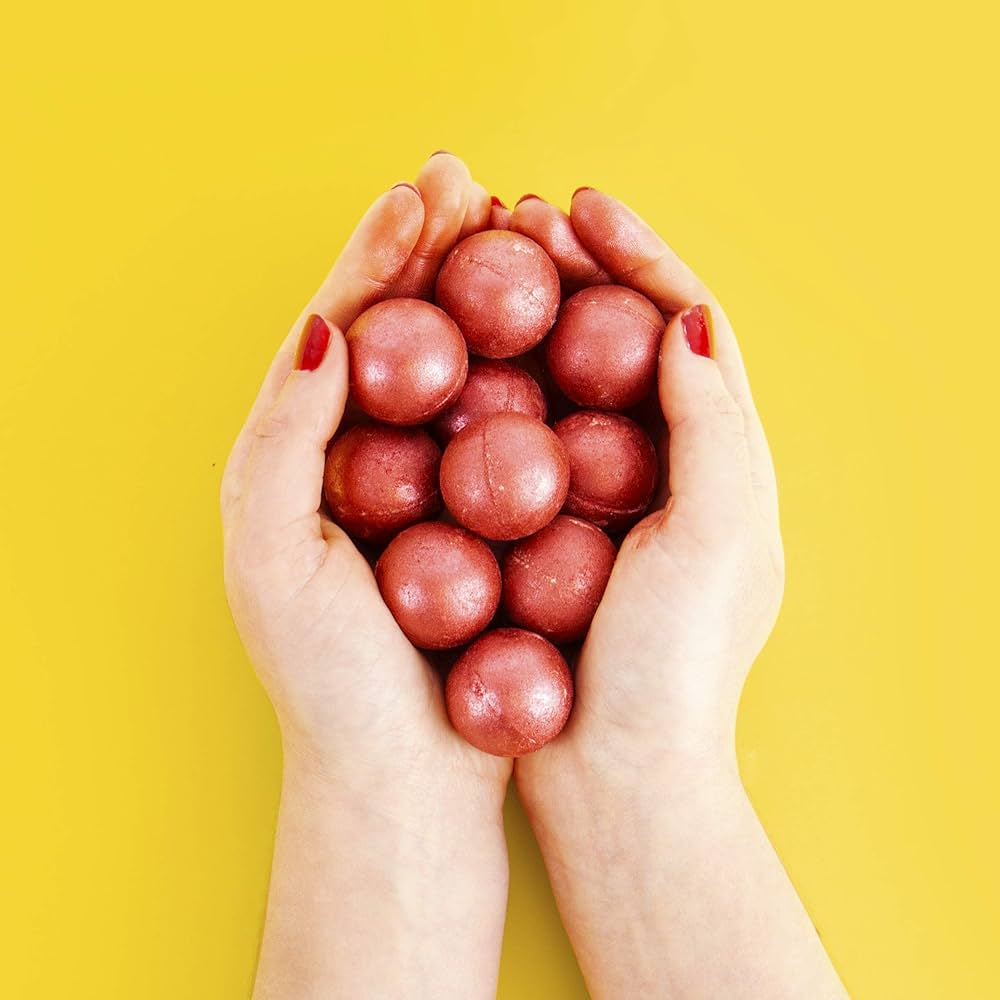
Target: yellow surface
[{"x": 175, "y": 182}]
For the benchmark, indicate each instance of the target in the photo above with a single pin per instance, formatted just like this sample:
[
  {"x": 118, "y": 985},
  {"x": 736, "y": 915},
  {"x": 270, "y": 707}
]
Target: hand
[
  {"x": 664, "y": 876},
  {"x": 697, "y": 584},
  {"x": 348, "y": 688},
  {"x": 390, "y": 869}
]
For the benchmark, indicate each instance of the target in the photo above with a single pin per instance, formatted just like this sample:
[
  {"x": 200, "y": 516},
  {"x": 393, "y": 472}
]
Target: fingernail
[
  {"x": 497, "y": 202},
  {"x": 313, "y": 344},
  {"x": 526, "y": 197},
  {"x": 697, "y": 323},
  {"x": 578, "y": 190},
  {"x": 438, "y": 152},
  {"x": 406, "y": 184}
]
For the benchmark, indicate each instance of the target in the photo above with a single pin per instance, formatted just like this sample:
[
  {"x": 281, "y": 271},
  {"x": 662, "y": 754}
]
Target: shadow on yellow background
[{"x": 175, "y": 183}]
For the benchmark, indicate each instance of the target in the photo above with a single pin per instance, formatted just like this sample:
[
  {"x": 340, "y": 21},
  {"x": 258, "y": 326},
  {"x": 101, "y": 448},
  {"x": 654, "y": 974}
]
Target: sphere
[
  {"x": 554, "y": 580},
  {"x": 441, "y": 583},
  {"x": 408, "y": 361},
  {"x": 604, "y": 348},
  {"x": 379, "y": 480},
  {"x": 510, "y": 693},
  {"x": 612, "y": 468},
  {"x": 502, "y": 289},
  {"x": 491, "y": 387},
  {"x": 505, "y": 476}
]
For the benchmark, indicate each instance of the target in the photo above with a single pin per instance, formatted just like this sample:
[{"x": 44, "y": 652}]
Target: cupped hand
[
  {"x": 697, "y": 584},
  {"x": 349, "y": 690}
]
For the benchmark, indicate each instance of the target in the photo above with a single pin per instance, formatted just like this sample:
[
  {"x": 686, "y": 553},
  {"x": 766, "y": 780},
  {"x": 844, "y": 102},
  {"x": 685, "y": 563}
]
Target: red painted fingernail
[
  {"x": 697, "y": 323},
  {"x": 497, "y": 202},
  {"x": 406, "y": 184},
  {"x": 438, "y": 152},
  {"x": 526, "y": 197},
  {"x": 313, "y": 344},
  {"x": 578, "y": 190}
]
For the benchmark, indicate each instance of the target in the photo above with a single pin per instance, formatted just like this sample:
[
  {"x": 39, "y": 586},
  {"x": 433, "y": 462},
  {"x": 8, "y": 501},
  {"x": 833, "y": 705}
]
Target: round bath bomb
[
  {"x": 603, "y": 350},
  {"x": 553, "y": 581},
  {"x": 510, "y": 693},
  {"x": 379, "y": 480},
  {"x": 408, "y": 361},
  {"x": 502, "y": 289},
  {"x": 505, "y": 476},
  {"x": 492, "y": 387},
  {"x": 612, "y": 467},
  {"x": 441, "y": 583}
]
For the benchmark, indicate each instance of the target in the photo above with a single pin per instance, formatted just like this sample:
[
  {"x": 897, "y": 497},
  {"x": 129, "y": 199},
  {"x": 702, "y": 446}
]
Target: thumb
[
  {"x": 285, "y": 470},
  {"x": 709, "y": 458}
]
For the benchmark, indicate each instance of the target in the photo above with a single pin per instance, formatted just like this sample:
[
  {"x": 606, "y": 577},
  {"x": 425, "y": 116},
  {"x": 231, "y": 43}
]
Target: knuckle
[
  {"x": 271, "y": 425},
  {"x": 728, "y": 411}
]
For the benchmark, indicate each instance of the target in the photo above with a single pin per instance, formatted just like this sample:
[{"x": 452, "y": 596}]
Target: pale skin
[{"x": 390, "y": 867}]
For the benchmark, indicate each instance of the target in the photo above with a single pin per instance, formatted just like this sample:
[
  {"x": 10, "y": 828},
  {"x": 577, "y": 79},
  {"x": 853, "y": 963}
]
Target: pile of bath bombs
[{"x": 498, "y": 453}]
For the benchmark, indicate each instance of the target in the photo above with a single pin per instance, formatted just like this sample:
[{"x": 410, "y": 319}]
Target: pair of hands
[{"x": 694, "y": 592}]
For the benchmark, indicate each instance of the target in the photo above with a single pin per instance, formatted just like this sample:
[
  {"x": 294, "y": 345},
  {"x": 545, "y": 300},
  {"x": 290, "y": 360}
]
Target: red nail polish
[
  {"x": 313, "y": 344},
  {"x": 578, "y": 190},
  {"x": 697, "y": 323},
  {"x": 526, "y": 197},
  {"x": 406, "y": 184},
  {"x": 497, "y": 202}
]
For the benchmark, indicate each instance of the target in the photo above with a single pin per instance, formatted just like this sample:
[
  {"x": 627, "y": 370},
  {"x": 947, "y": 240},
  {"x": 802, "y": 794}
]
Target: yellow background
[{"x": 175, "y": 182}]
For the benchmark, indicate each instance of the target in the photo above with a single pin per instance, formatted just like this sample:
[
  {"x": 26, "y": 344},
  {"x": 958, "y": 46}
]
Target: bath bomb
[
  {"x": 379, "y": 480},
  {"x": 408, "y": 361},
  {"x": 554, "y": 580},
  {"x": 510, "y": 693},
  {"x": 505, "y": 476},
  {"x": 612, "y": 468},
  {"x": 502, "y": 289},
  {"x": 604, "y": 347},
  {"x": 492, "y": 387},
  {"x": 441, "y": 583}
]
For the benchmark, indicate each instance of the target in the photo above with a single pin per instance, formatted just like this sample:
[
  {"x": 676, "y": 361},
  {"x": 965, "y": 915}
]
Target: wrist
[{"x": 581, "y": 801}]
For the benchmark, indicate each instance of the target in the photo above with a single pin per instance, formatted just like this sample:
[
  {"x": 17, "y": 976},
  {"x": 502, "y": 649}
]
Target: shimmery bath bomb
[
  {"x": 492, "y": 387},
  {"x": 510, "y": 693},
  {"x": 408, "y": 361},
  {"x": 379, "y": 480},
  {"x": 441, "y": 583},
  {"x": 554, "y": 580},
  {"x": 603, "y": 350},
  {"x": 502, "y": 289},
  {"x": 612, "y": 468},
  {"x": 505, "y": 476}
]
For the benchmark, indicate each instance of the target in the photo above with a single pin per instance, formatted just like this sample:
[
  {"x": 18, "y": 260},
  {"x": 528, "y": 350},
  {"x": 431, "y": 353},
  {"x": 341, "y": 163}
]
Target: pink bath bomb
[
  {"x": 554, "y": 580},
  {"x": 408, "y": 361},
  {"x": 491, "y": 387},
  {"x": 379, "y": 480},
  {"x": 612, "y": 468},
  {"x": 604, "y": 347},
  {"x": 441, "y": 583},
  {"x": 510, "y": 693},
  {"x": 502, "y": 289},
  {"x": 505, "y": 476}
]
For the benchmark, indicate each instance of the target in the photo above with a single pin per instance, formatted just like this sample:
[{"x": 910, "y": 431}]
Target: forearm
[
  {"x": 406, "y": 900},
  {"x": 669, "y": 887}
]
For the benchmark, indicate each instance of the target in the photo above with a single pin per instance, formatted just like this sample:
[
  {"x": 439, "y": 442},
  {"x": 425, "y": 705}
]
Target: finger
[
  {"x": 709, "y": 459},
  {"x": 634, "y": 255},
  {"x": 372, "y": 258},
  {"x": 549, "y": 226},
  {"x": 499, "y": 215},
  {"x": 445, "y": 187},
  {"x": 284, "y": 474},
  {"x": 477, "y": 214}
]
